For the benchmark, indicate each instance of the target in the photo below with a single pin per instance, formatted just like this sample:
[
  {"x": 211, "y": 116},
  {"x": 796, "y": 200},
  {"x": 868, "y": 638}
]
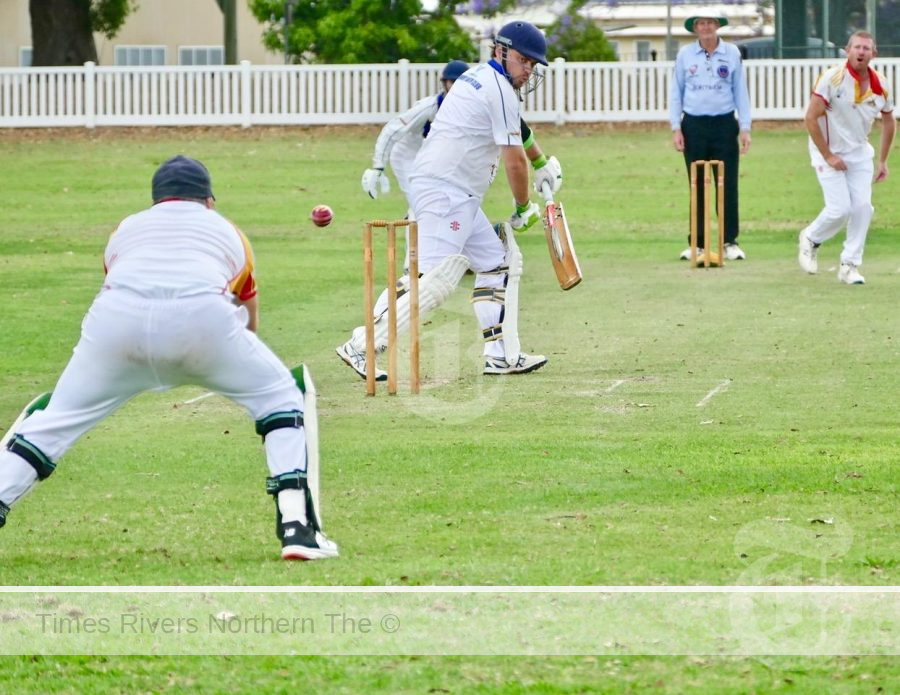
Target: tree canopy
[{"x": 363, "y": 31}]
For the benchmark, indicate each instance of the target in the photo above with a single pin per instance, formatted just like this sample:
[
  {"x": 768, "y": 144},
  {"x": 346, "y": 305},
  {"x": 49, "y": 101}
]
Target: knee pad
[
  {"x": 490, "y": 287},
  {"x": 38, "y": 460},
  {"x": 294, "y": 480},
  {"x": 277, "y": 421}
]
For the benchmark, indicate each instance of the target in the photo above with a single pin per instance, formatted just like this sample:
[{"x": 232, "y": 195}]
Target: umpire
[{"x": 709, "y": 110}]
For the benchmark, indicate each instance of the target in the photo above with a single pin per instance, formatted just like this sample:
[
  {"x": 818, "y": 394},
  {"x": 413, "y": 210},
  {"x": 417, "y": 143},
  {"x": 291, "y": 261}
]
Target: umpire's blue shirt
[{"x": 709, "y": 84}]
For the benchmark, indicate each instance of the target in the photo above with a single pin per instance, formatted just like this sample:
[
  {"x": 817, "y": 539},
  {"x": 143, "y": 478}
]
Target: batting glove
[
  {"x": 525, "y": 216},
  {"x": 372, "y": 178},
  {"x": 550, "y": 173}
]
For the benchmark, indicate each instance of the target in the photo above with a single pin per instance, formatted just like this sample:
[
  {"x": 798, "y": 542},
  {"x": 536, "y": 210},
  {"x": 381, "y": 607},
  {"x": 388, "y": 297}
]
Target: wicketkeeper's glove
[
  {"x": 550, "y": 173},
  {"x": 372, "y": 178},
  {"x": 525, "y": 216}
]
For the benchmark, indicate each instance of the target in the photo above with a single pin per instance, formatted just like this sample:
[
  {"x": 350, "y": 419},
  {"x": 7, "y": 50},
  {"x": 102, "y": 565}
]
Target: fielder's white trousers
[
  {"x": 130, "y": 344},
  {"x": 848, "y": 201}
]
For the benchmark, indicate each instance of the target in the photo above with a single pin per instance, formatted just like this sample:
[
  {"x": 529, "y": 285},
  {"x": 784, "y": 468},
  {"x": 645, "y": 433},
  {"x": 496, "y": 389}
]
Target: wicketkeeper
[{"x": 179, "y": 305}]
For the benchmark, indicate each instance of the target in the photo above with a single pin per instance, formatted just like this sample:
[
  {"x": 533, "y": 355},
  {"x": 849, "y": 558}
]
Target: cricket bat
[{"x": 559, "y": 242}]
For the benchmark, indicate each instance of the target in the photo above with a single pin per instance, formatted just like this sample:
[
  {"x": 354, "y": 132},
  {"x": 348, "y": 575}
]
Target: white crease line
[
  {"x": 616, "y": 384},
  {"x": 721, "y": 387},
  {"x": 204, "y": 396}
]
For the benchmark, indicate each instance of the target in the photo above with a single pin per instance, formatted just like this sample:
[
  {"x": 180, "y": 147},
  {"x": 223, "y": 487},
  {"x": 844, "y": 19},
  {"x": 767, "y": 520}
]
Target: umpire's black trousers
[{"x": 714, "y": 137}]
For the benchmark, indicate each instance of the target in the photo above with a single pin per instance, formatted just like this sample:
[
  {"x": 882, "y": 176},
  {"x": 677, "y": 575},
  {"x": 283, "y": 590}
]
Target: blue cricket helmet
[
  {"x": 454, "y": 69},
  {"x": 525, "y": 38}
]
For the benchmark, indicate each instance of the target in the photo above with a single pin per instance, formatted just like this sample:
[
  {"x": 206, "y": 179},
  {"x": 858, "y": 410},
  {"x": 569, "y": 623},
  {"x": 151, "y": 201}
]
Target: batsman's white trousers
[
  {"x": 452, "y": 222},
  {"x": 848, "y": 201},
  {"x": 468, "y": 231},
  {"x": 130, "y": 344}
]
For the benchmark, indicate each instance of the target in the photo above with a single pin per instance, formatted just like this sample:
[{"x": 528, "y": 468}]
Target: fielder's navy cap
[{"x": 181, "y": 177}]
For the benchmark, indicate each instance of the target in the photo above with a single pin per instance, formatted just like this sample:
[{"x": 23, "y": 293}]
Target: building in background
[
  {"x": 637, "y": 29},
  {"x": 157, "y": 32}
]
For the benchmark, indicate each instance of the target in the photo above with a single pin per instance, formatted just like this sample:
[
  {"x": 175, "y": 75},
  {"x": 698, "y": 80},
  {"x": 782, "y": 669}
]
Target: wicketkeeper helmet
[{"x": 454, "y": 69}]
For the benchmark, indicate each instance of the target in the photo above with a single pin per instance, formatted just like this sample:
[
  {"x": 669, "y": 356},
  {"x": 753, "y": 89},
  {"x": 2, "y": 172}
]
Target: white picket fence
[{"x": 248, "y": 95}]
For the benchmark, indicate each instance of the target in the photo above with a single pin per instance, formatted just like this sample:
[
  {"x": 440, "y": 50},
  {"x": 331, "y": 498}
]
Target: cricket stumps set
[
  {"x": 369, "y": 302},
  {"x": 710, "y": 168}
]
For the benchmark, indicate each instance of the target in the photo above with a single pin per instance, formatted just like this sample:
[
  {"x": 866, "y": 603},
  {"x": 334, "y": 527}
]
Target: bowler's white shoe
[
  {"x": 849, "y": 275},
  {"x": 525, "y": 364},
  {"x": 733, "y": 252},
  {"x": 686, "y": 254},
  {"x": 806, "y": 256},
  {"x": 356, "y": 360}
]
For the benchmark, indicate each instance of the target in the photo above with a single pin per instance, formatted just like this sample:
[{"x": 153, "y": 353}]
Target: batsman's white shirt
[
  {"x": 479, "y": 115},
  {"x": 849, "y": 116}
]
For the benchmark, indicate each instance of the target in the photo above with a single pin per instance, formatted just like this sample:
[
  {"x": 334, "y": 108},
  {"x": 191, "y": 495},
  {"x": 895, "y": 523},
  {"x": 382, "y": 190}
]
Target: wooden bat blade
[{"x": 560, "y": 246}]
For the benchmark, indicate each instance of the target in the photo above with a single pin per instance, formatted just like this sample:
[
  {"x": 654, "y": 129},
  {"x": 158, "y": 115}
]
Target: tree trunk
[{"x": 61, "y": 32}]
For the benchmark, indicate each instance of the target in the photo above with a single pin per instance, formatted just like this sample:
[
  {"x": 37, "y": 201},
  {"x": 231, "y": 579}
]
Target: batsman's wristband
[
  {"x": 539, "y": 161},
  {"x": 522, "y": 208}
]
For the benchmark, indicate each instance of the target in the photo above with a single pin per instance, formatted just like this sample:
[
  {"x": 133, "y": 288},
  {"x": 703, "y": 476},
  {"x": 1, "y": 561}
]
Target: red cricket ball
[{"x": 321, "y": 215}]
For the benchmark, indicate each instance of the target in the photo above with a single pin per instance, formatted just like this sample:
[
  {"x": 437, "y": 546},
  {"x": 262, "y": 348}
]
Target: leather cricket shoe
[
  {"x": 525, "y": 364},
  {"x": 303, "y": 542},
  {"x": 849, "y": 275},
  {"x": 733, "y": 252},
  {"x": 806, "y": 256},
  {"x": 356, "y": 360},
  {"x": 686, "y": 254}
]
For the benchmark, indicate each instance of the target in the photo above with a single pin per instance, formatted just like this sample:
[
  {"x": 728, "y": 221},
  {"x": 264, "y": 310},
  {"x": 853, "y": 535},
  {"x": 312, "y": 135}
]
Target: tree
[
  {"x": 577, "y": 38},
  {"x": 363, "y": 31},
  {"x": 62, "y": 31}
]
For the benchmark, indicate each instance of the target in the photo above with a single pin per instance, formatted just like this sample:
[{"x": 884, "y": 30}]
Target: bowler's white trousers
[
  {"x": 130, "y": 344},
  {"x": 848, "y": 200}
]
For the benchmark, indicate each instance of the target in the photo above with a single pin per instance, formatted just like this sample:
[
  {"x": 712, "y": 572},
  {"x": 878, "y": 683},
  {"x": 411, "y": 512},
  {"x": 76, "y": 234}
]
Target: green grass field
[{"x": 679, "y": 408}]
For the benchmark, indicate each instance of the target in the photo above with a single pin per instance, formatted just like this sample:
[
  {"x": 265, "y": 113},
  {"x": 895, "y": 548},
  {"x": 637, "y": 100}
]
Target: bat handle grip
[{"x": 546, "y": 192}]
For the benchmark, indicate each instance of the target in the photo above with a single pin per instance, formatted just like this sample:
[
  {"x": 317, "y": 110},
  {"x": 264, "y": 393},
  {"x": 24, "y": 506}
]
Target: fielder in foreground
[
  {"x": 179, "y": 306},
  {"x": 478, "y": 124},
  {"x": 845, "y": 102}
]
